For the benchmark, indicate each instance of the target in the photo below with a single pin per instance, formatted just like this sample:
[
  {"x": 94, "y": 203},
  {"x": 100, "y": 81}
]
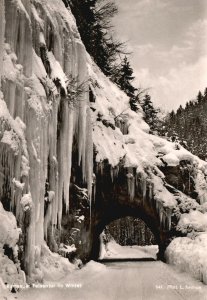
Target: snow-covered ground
[
  {"x": 128, "y": 280},
  {"x": 121, "y": 280},
  {"x": 115, "y": 251}
]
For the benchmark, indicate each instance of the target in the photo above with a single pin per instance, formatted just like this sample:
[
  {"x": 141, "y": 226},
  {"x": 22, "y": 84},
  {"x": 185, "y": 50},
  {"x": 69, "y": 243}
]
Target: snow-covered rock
[
  {"x": 189, "y": 255},
  {"x": 9, "y": 233},
  {"x": 10, "y": 272}
]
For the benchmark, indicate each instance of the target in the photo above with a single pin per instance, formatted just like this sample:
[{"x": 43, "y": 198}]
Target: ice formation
[{"x": 38, "y": 119}]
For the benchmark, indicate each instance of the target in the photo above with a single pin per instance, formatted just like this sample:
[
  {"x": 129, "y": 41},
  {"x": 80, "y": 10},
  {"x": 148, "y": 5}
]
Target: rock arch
[{"x": 113, "y": 201}]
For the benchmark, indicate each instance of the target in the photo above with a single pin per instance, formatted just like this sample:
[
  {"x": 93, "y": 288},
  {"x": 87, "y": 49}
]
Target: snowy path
[
  {"x": 124, "y": 280},
  {"x": 115, "y": 251}
]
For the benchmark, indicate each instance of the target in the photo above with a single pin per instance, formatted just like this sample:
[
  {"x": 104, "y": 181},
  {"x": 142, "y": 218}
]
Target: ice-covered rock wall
[{"x": 43, "y": 109}]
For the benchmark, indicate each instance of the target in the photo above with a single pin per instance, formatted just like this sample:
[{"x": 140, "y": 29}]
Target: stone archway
[
  {"x": 113, "y": 201},
  {"x": 162, "y": 236}
]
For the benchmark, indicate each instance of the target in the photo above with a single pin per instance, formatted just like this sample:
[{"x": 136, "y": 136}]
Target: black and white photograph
[{"x": 103, "y": 149}]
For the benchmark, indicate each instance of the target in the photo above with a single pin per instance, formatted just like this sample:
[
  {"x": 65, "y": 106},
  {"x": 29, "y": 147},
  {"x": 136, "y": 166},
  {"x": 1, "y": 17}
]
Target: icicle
[
  {"x": 82, "y": 104},
  {"x": 137, "y": 180},
  {"x": 81, "y": 135},
  {"x": 131, "y": 185},
  {"x": 189, "y": 181},
  {"x": 132, "y": 193},
  {"x": 161, "y": 215},
  {"x": 144, "y": 186},
  {"x": 2, "y": 27},
  {"x": 150, "y": 191},
  {"x": 128, "y": 182},
  {"x": 122, "y": 125},
  {"x": 94, "y": 186},
  {"x": 68, "y": 158},
  {"x": 157, "y": 205},
  {"x": 168, "y": 215},
  {"x": 48, "y": 215},
  {"x": 112, "y": 173},
  {"x": 100, "y": 167},
  {"x": 117, "y": 171},
  {"x": 89, "y": 154}
]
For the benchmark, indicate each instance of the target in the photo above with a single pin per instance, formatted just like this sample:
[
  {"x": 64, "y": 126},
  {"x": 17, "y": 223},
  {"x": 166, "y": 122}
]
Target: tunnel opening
[
  {"x": 127, "y": 238},
  {"x": 114, "y": 211}
]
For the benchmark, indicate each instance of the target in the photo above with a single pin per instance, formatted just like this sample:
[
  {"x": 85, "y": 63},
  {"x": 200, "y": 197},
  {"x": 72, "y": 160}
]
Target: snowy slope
[{"x": 121, "y": 134}]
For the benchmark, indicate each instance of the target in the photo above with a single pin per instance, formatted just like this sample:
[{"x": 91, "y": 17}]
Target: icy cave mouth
[{"x": 127, "y": 239}]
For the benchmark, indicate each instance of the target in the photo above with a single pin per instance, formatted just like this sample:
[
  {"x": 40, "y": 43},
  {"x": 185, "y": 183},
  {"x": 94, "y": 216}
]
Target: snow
[
  {"x": 81, "y": 218},
  {"x": 12, "y": 71},
  {"x": 128, "y": 280},
  {"x": 11, "y": 139},
  {"x": 10, "y": 272},
  {"x": 64, "y": 250},
  {"x": 2, "y": 27},
  {"x": 57, "y": 71},
  {"x": 18, "y": 184},
  {"x": 9, "y": 233},
  {"x": 121, "y": 135},
  {"x": 171, "y": 159},
  {"x": 9, "y": 121},
  {"x": 161, "y": 194},
  {"x": 29, "y": 114},
  {"x": 189, "y": 255},
  {"x": 194, "y": 220},
  {"x": 42, "y": 39},
  {"x": 20, "y": 6},
  {"x": 4, "y": 292},
  {"x": 26, "y": 202},
  {"x": 115, "y": 251},
  {"x": 92, "y": 267},
  {"x": 53, "y": 266}
]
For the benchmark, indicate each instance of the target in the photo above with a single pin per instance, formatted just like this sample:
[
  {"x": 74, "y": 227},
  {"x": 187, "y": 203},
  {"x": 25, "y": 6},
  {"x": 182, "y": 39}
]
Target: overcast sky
[{"x": 168, "y": 39}]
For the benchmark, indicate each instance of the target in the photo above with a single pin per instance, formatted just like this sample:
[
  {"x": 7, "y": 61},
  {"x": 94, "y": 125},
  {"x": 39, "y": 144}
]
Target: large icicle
[
  {"x": 2, "y": 27},
  {"x": 131, "y": 185}
]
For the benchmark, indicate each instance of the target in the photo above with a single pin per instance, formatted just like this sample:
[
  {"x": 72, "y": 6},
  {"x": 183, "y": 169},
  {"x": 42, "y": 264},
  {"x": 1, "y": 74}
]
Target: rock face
[{"x": 73, "y": 156}]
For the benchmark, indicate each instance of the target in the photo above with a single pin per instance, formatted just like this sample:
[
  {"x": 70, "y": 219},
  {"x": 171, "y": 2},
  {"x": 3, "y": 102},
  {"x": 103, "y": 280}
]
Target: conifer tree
[
  {"x": 205, "y": 93},
  {"x": 150, "y": 114},
  {"x": 189, "y": 124},
  {"x": 126, "y": 77},
  {"x": 93, "y": 18},
  {"x": 123, "y": 77},
  {"x": 199, "y": 97}
]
